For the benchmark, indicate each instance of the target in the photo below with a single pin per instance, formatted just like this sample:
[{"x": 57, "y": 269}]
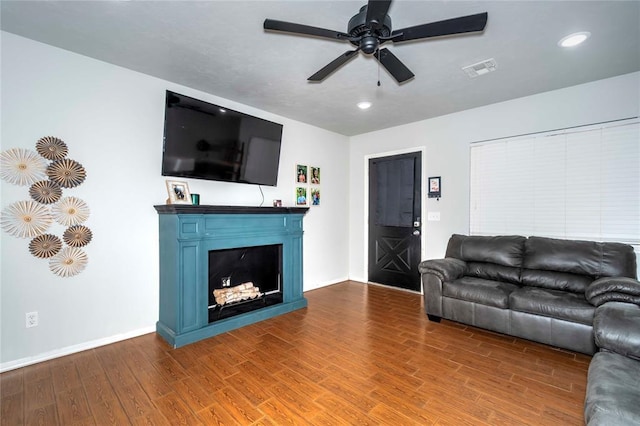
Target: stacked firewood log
[{"x": 237, "y": 293}]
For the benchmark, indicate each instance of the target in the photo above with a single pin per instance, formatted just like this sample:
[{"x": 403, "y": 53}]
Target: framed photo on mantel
[{"x": 178, "y": 192}]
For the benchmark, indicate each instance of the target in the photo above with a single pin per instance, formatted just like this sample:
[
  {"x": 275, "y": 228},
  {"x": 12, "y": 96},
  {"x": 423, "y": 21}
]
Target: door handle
[{"x": 416, "y": 232}]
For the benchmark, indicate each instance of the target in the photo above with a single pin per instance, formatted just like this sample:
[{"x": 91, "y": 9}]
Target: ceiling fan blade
[
  {"x": 392, "y": 64},
  {"x": 464, "y": 24},
  {"x": 333, "y": 65},
  {"x": 376, "y": 12},
  {"x": 289, "y": 27}
]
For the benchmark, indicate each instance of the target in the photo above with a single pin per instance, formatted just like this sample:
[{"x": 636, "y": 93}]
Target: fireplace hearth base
[{"x": 189, "y": 233}]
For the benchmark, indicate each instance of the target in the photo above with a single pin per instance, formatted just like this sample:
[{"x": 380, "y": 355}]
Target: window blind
[{"x": 578, "y": 183}]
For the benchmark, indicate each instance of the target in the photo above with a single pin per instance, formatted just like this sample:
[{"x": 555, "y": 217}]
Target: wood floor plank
[
  {"x": 239, "y": 407},
  {"x": 347, "y": 412},
  {"x": 389, "y": 416},
  {"x": 255, "y": 392},
  {"x": 153, "y": 384},
  {"x": 412, "y": 407},
  {"x": 280, "y": 413},
  {"x": 98, "y": 388},
  {"x": 39, "y": 394},
  {"x": 154, "y": 418},
  {"x": 108, "y": 412},
  {"x": 87, "y": 364},
  {"x": 12, "y": 409},
  {"x": 134, "y": 400},
  {"x": 36, "y": 372},
  {"x": 359, "y": 354},
  {"x": 42, "y": 416},
  {"x": 170, "y": 369},
  {"x": 192, "y": 394},
  {"x": 72, "y": 406},
  {"x": 206, "y": 378},
  {"x": 12, "y": 382},
  {"x": 175, "y": 410},
  {"x": 65, "y": 375}
]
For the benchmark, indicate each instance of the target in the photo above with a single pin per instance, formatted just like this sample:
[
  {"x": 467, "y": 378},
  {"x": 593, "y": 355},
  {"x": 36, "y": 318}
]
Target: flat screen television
[{"x": 207, "y": 141}]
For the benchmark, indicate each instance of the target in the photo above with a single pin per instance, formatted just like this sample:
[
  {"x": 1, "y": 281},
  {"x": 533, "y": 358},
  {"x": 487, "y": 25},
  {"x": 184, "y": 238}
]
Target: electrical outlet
[{"x": 32, "y": 319}]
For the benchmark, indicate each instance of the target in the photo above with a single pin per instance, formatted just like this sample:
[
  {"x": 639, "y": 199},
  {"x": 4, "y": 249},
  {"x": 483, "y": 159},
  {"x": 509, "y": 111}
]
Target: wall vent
[{"x": 480, "y": 68}]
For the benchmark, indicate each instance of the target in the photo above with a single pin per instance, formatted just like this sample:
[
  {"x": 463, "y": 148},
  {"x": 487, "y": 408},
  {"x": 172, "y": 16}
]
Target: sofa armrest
[
  {"x": 434, "y": 273},
  {"x": 613, "y": 289},
  {"x": 616, "y": 328},
  {"x": 448, "y": 269}
]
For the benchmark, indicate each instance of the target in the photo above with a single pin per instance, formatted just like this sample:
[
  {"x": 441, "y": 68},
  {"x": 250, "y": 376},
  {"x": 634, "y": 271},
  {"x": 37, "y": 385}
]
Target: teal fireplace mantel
[{"x": 187, "y": 234}]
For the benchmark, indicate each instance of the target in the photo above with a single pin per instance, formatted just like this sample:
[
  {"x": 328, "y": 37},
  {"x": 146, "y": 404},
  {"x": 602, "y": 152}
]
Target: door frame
[{"x": 423, "y": 201}]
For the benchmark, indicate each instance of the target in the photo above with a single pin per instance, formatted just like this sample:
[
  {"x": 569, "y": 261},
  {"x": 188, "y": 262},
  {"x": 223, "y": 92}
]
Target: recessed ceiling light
[
  {"x": 574, "y": 39},
  {"x": 364, "y": 105}
]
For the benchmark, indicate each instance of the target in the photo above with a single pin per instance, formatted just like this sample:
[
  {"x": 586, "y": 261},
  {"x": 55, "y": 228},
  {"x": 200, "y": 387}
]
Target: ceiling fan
[{"x": 371, "y": 28}]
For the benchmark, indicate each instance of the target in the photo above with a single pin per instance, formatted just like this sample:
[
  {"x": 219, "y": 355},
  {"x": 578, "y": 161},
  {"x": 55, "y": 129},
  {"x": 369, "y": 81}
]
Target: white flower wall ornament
[
  {"x": 26, "y": 219},
  {"x": 20, "y": 166},
  {"x": 68, "y": 262},
  {"x": 70, "y": 211}
]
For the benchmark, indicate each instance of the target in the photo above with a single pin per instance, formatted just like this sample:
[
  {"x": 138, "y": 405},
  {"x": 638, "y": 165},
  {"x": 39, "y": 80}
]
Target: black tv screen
[{"x": 206, "y": 141}]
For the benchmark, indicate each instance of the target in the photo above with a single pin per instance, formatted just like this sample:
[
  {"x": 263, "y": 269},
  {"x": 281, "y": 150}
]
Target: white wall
[
  {"x": 112, "y": 121},
  {"x": 446, "y": 142}
]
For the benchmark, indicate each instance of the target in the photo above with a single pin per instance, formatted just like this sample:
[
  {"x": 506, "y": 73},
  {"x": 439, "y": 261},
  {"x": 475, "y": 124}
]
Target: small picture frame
[
  {"x": 178, "y": 192},
  {"x": 277, "y": 203},
  {"x": 315, "y": 196},
  {"x": 301, "y": 196},
  {"x": 314, "y": 179},
  {"x": 301, "y": 173},
  {"x": 434, "y": 187}
]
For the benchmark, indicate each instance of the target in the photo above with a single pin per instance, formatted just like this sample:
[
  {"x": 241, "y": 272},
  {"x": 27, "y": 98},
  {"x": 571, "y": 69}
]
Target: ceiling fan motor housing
[{"x": 368, "y": 33}]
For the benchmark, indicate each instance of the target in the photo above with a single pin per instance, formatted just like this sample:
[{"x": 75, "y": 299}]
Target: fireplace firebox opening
[{"x": 244, "y": 279}]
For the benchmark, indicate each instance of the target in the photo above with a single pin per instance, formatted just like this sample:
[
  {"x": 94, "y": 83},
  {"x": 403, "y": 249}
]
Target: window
[{"x": 578, "y": 183}]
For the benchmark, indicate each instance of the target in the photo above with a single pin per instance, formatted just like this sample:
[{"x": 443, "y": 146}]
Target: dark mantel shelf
[{"x": 204, "y": 209}]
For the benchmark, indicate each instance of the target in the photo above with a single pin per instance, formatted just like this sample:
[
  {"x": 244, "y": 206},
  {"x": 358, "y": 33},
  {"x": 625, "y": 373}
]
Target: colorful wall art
[
  {"x": 47, "y": 172},
  {"x": 307, "y": 175}
]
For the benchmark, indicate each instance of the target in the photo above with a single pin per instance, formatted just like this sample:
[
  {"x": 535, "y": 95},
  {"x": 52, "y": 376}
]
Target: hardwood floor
[{"x": 357, "y": 355}]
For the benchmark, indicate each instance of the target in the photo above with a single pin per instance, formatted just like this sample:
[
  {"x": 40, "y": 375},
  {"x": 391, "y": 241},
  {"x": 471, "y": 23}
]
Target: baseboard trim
[
  {"x": 57, "y": 353},
  {"x": 326, "y": 283}
]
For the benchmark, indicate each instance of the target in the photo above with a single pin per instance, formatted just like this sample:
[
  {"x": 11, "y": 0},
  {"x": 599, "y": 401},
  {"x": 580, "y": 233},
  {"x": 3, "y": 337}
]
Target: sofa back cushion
[
  {"x": 572, "y": 265},
  {"x": 494, "y": 258},
  {"x": 589, "y": 258},
  {"x": 501, "y": 250}
]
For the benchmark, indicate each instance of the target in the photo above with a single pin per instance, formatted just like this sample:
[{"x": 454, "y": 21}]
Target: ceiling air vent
[{"x": 482, "y": 67}]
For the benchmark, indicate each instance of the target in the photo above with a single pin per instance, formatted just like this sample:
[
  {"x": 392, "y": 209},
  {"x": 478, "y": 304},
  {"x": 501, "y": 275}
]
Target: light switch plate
[{"x": 433, "y": 216}]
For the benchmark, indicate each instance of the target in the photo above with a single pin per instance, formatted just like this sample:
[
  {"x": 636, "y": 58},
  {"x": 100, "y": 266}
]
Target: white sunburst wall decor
[
  {"x": 48, "y": 172},
  {"x": 20, "y": 166},
  {"x": 26, "y": 219}
]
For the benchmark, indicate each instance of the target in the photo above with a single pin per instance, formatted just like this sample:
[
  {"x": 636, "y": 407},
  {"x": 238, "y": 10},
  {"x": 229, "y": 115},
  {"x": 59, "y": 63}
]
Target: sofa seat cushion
[
  {"x": 552, "y": 303},
  {"x": 478, "y": 290},
  {"x": 555, "y": 280},
  {"x": 613, "y": 391}
]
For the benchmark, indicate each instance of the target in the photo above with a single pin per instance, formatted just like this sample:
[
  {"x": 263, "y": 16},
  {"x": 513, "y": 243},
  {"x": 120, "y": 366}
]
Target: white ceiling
[{"x": 219, "y": 47}]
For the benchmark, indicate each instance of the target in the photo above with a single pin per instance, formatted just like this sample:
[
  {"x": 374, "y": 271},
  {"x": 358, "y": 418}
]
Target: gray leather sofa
[
  {"x": 613, "y": 385},
  {"x": 532, "y": 288}
]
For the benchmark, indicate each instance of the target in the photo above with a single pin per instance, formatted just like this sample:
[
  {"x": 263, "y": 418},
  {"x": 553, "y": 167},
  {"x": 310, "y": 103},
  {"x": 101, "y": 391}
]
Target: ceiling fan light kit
[{"x": 370, "y": 28}]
